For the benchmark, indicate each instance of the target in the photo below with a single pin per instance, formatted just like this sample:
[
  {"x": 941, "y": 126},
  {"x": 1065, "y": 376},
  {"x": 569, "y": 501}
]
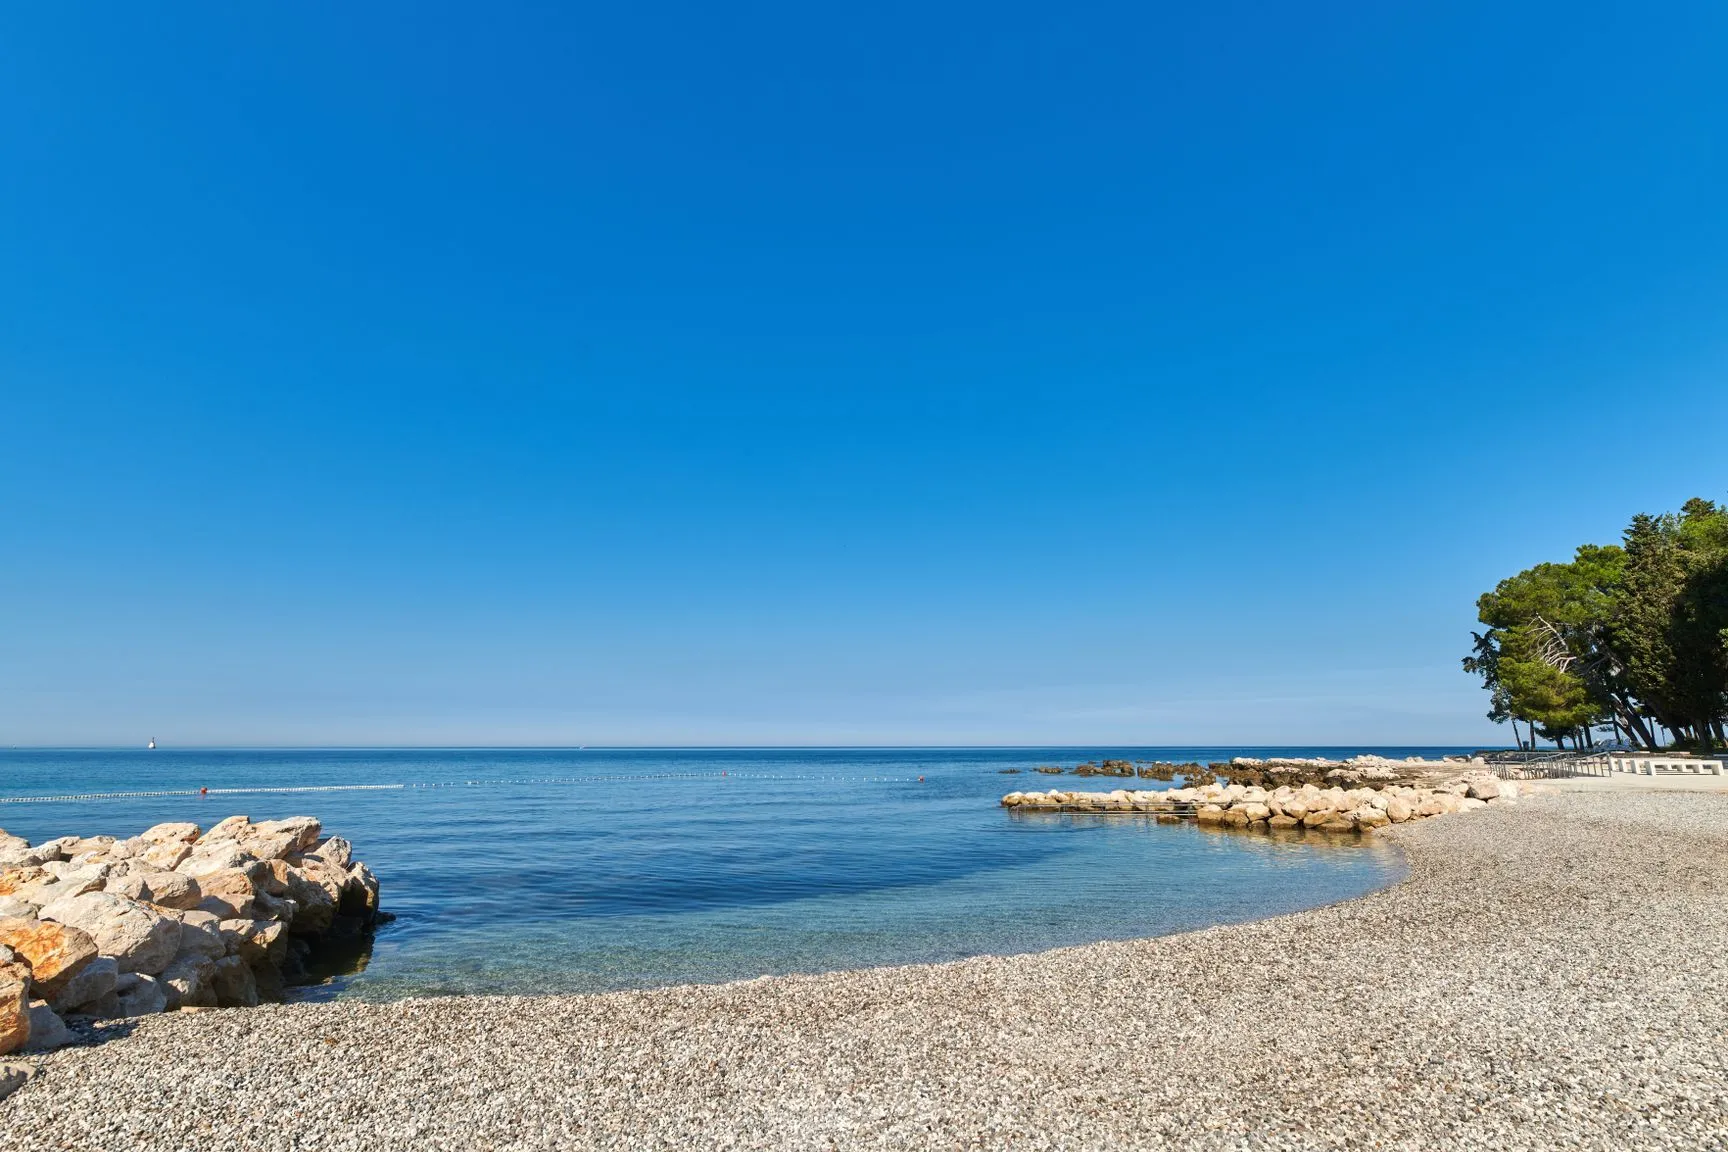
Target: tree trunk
[{"x": 1639, "y": 730}]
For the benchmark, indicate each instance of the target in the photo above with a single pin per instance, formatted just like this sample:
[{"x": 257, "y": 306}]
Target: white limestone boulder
[{"x": 141, "y": 938}]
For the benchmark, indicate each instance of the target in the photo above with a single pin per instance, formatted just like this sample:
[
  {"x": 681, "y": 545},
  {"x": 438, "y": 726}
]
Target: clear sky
[{"x": 792, "y": 373}]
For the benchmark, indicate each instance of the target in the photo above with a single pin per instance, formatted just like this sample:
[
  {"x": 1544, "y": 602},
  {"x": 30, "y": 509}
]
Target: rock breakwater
[
  {"x": 1291, "y": 807},
  {"x": 1273, "y": 772},
  {"x": 175, "y": 917}
]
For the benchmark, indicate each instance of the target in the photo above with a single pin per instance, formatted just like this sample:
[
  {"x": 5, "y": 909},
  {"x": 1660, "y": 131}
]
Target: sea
[{"x": 525, "y": 871}]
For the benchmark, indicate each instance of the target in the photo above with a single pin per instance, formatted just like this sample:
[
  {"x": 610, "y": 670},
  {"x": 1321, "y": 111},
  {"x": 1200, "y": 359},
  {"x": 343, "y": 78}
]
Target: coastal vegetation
[{"x": 1628, "y": 639}]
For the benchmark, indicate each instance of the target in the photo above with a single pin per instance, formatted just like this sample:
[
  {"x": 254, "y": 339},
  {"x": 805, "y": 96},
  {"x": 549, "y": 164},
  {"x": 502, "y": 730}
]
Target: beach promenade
[{"x": 1551, "y": 975}]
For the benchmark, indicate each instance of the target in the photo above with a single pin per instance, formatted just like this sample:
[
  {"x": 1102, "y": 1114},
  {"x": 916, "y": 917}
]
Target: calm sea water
[{"x": 586, "y": 870}]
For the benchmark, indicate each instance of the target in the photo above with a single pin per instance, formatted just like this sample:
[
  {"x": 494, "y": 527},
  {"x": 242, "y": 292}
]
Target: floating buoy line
[{"x": 728, "y": 775}]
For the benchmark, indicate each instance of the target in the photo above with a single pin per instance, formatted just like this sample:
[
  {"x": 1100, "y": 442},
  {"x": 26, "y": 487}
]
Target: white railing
[{"x": 1655, "y": 763}]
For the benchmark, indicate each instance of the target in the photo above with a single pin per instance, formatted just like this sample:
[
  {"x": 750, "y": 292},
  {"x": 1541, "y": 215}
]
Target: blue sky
[{"x": 778, "y": 373}]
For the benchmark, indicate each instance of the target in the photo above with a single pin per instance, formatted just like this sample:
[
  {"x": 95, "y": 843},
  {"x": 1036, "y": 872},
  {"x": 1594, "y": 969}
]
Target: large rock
[
  {"x": 168, "y": 855},
  {"x": 139, "y": 995},
  {"x": 47, "y": 1030},
  {"x": 259, "y": 943},
  {"x": 55, "y": 952},
  {"x": 1483, "y": 788},
  {"x": 338, "y": 852},
  {"x": 276, "y": 846},
  {"x": 1398, "y": 810},
  {"x": 233, "y": 828},
  {"x": 62, "y": 882},
  {"x": 44, "y": 853},
  {"x": 13, "y": 906},
  {"x": 170, "y": 834},
  {"x": 1371, "y": 818},
  {"x": 93, "y": 981},
  {"x": 214, "y": 856},
  {"x": 316, "y": 890},
  {"x": 234, "y": 984},
  {"x": 14, "y": 1006},
  {"x": 186, "y": 983},
  {"x": 228, "y": 893},
  {"x": 13, "y": 880},
  {"x": 201, "y": 935},
  {"x": 360, "y": 894},
  {"x": 302, "y": 831},
  {"x": 163, "y": 889},
  {"x": 142, "y": 939}
]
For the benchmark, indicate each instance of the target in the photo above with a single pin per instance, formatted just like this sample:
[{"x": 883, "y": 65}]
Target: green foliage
[{"x": 1628, "y": 634}]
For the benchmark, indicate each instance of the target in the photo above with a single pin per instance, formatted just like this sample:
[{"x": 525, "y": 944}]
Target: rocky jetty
[
  {"x": 1367, "y": 769},
  {"x": 1293, "y": 807},
  {"x": 176, "y": 917},
  {"x": 1276, "y": 771}
]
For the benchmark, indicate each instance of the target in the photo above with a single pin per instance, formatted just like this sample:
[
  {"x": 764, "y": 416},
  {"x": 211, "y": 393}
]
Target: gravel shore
[{"x": 1551, "y": 975}]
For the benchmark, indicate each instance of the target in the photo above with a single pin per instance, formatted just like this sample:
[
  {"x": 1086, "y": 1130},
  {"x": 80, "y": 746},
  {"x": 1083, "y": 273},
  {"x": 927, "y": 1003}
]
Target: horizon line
[{"x": 677, "y": 747}]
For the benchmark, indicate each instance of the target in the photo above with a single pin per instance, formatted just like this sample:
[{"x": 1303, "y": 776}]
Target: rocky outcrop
[
  {"x": 105, "y": 928},
  {"x": 1307, "y": 807}
]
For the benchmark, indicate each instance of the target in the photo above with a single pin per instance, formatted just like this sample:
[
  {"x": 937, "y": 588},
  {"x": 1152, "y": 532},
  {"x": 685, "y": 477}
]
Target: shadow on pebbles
[{"x": 1553, "y": 975}]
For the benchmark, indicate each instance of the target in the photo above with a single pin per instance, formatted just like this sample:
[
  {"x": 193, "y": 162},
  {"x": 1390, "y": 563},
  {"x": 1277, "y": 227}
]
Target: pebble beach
[{"x": 1550, "y": 975}]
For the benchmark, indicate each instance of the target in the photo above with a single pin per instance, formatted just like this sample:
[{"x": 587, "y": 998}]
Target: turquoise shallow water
[{"x": 588, "y": 870}]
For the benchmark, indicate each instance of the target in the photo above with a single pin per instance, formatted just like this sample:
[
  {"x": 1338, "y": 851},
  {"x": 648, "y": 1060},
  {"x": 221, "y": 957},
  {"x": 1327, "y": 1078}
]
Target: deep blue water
[{"x": 585, "y": 870}]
